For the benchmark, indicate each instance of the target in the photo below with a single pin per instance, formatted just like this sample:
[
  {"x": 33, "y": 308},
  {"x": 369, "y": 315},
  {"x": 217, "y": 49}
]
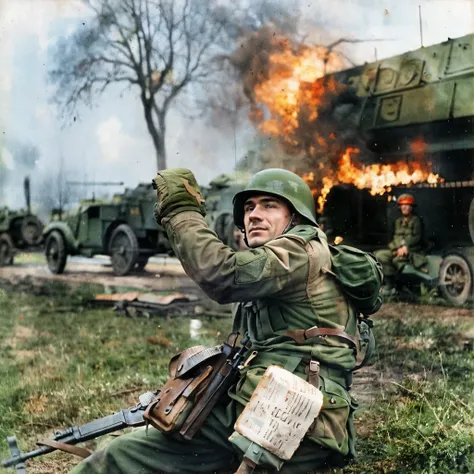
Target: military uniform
[
  {"x": 280, "y": 288},
  {"x": 408, "y": 232}
]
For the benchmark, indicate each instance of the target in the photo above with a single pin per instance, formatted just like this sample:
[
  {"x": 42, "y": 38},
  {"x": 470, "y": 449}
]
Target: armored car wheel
[
  {"x": 123, "y": 249},
  {"x": 6, "y": 250},
  {"x": 31, "y": 230},
  {"x": 455, "y": 279},
  {"x": 56, "y": 252},
  {"x": 471, "y": 220}
]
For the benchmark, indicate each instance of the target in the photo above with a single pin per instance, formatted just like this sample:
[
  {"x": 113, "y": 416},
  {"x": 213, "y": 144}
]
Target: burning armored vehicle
[
  {"x": 362, "y": 136},
  {"x": 415, "y": 114}
]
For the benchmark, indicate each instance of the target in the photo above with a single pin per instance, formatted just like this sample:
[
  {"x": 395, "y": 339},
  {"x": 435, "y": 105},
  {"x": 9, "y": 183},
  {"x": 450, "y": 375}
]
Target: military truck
[
  {"x": 19, "y": 229},
  {"x": 424, "y": 96},
  {"x": 123, "y": 228}
]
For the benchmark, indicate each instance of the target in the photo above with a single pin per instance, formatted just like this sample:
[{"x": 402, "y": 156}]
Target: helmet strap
[
  {"x": 290, "y": 224},
  {"x": 245, "y": 237}
]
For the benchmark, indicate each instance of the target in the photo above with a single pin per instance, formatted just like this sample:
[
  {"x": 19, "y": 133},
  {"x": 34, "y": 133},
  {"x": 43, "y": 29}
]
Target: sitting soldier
[{"x": 406, "y": 245}]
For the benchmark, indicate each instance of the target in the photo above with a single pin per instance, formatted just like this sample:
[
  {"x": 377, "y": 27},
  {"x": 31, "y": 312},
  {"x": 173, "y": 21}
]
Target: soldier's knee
[
  {"x": 94, "y": 464},
  {"x": 383, "y": 256},
  {"x": 378, "y": 254},
  {"x": 106, "y": 460}
]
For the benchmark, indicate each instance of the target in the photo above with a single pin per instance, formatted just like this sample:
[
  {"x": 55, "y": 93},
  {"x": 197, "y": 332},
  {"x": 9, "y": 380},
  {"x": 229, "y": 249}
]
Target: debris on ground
[{"x": 135, "y": 304}]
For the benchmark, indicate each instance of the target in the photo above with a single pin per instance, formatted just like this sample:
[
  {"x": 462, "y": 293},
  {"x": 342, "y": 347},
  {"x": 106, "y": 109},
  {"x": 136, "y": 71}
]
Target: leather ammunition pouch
[{"x": 190, "y": 374}]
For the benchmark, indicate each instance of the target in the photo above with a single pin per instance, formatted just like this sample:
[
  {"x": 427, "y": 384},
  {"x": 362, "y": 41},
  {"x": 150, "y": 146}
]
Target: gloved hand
[{"x": 176, "y": 191}]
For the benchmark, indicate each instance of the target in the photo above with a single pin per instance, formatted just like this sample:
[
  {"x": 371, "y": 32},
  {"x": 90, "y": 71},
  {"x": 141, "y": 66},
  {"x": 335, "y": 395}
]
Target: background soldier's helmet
[
  {"x": 281, "y": 183},
  {"x": 406, "y": 199}
]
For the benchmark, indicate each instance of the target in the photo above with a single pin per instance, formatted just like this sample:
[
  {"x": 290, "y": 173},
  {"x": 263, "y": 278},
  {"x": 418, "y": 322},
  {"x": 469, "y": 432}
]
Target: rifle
[
  {"x": 131, "y": 417},
  {"x": 66, "y": 439}
]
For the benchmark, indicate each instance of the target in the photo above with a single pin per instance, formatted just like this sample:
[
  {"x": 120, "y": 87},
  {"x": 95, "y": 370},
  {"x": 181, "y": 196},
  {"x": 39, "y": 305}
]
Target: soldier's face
[
  {"x": 265, "y": 217},
  {"x": 406, "y": 209}
]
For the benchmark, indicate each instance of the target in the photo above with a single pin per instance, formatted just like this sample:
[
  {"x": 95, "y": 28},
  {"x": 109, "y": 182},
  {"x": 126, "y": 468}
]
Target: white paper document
[{"x": 280, "y": 412}]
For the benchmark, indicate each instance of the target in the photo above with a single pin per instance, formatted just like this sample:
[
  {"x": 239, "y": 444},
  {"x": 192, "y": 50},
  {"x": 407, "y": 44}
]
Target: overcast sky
[{"x": 111, "y": 142}]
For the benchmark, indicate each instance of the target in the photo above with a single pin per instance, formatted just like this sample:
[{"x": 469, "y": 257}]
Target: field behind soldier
[{"x": 64, "y": 363}]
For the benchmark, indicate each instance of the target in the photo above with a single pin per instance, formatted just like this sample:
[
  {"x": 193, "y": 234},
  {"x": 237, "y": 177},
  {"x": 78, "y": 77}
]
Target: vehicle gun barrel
[{"x": 95, "y": 183}]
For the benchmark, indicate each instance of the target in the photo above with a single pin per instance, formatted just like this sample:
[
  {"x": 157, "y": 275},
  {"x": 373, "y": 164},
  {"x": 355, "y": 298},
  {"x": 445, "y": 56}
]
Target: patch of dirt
[
  {"x": 61, "y": 464},
  {"x": 418, "y": 342},
  {"x": 36, "y": 404},
  {"x": 163, "y": 277},
  {"x": 21, "y": 333},
  {"x": 370, "y": 382},
  {"x": 167, "y": 276},
  {"x": 23, "y": 356},
  {"x": 443, "y": 314}
]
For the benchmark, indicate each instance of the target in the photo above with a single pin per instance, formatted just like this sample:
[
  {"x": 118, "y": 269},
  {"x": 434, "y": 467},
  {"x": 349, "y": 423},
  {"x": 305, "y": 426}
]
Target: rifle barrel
[
  {"x": 24, "y": 457},
  {"x": 94, "y": 429}
]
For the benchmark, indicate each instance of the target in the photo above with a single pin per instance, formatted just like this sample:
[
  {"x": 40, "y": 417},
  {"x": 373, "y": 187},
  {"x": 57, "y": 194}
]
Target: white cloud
[
  {"x": 109, "y": 135},
  {"x": 115, "y": 144},
  {"x": 44, "y": 113},
  {"x": 5, "y": 83},
  {"x": 396, "y": 22},
  {"x": 36, "y": 16},
  {"x": 7, "y": 159}
]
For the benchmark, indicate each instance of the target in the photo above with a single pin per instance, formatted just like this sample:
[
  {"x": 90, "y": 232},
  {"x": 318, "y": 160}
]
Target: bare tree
[
  {"x": 157, "y": 46},
  {"x": 54, "y": 193}
]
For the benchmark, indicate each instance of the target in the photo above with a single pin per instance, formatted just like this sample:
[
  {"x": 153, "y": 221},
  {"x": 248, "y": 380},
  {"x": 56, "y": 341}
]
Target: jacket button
[{"x": 332, "y": 401}]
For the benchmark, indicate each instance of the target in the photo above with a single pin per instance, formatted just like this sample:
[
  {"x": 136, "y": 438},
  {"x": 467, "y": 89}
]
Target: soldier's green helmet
[{"x": 281, "y": 183}]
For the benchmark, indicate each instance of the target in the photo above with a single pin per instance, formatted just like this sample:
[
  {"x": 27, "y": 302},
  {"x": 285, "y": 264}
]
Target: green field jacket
[
  {"x": 280, "y": 287},
  {"x": 409, "y": 232}
]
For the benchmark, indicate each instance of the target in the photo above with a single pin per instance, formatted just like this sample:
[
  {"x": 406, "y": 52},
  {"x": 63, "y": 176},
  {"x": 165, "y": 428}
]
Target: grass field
[{"x": 63, "y": 364}]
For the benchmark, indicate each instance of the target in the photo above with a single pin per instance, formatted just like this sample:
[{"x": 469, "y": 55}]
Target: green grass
[
  {"x": 63, "y": 363},
  {"x": 423, "y": 421},
  {"x": 30, "y": 257}
]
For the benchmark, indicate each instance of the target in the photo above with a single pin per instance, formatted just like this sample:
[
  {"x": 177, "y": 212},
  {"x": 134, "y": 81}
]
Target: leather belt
[{"x": 300, "y": 335}]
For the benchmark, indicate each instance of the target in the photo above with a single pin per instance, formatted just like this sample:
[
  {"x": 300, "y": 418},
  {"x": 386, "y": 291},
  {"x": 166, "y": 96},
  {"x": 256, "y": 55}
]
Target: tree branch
[{"x": 154, "y": 45}]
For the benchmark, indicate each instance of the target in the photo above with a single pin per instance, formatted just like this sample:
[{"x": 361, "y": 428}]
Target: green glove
[{"x": 177, "y": 191}]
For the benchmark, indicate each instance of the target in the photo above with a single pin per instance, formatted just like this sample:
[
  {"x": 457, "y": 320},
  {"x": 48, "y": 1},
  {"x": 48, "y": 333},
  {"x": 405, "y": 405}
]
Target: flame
[
  {"x": 377, "y": 178},
  {"x": 293, "y": 99},
  {"x": 291, "y": 89}
]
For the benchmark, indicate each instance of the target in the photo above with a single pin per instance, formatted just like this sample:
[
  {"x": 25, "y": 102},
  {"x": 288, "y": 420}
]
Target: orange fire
[
  {"x": 292, "y": 100},
  {"x": 378, "y": 178},
  {"x": 292, "y": 87}
]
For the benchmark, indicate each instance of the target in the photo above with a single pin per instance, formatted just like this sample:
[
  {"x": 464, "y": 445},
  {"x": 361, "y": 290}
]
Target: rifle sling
[
  {"x": 68, "y": 448},
  {"x": 300, "y": 335}
]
